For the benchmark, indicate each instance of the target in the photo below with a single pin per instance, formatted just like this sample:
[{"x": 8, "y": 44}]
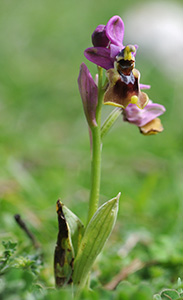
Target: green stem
[{"x": 96, "y": 153}]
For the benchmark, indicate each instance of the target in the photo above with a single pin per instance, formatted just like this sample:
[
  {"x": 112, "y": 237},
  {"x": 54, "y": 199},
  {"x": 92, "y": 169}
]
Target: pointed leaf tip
[
  {"x": 95, "y": 236},
  {"x": 76, "y": 228}
]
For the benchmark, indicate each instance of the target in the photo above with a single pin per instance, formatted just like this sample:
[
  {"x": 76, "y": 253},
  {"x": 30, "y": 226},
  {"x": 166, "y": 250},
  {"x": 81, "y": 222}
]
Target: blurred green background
[{"x": 44, "y": 143}]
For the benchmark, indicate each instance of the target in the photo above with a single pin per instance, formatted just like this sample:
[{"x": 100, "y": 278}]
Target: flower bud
[
  {"x": 89, "y": 94},
  {"x": 99, "y": 38}
]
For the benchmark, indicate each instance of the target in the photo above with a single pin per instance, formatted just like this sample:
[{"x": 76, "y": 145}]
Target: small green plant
[
  {"x": 18, "y": 273},
  {"x": 171, "y": 294},
  {"x": 77, "y": 245}
]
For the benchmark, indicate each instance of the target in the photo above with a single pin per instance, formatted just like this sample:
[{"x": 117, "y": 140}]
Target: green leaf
[
  {"x": 64, "y": 253},
  {"x": 157, "y": 297},
  {"x": 179, "y": 286},
  {"x": 170, "y": 294},
  {"x": 111, "y": 119},
  {"x": 95, "y": 236},
  {"x": 10, "y": 248},
  {"x": 76, "y": 228}
]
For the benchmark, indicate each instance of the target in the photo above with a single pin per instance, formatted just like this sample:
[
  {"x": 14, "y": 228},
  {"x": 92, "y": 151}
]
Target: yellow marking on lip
[
  {"x": 129, "y": 49},
  {"x": 113, "y": 104},
  {"x": 134, "y": 99}
]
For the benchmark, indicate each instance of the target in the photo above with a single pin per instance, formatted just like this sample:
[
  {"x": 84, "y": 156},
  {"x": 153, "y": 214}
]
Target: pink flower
[
  {"x": 108, "y": 42},
  {"x": 146, "y": 118}
]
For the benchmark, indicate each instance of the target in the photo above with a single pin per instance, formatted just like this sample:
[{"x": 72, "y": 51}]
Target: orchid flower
[
  {"x": 124, "y": 86},
  {"x": 119, "y": 61},
  {"x": 146, "y": 118},
  {"x": 108, "y": 42}
]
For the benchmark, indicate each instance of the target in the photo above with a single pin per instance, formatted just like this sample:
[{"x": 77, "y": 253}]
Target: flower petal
[
  {"x": 115, "y": 50},
  {"x": 99, "y": 37},
  {"x": 115, "y": 30},
  {"x": 99, "y": 56},
  {"x": 153, "y": 127},
  {"x": 142, "y": 101},
  {"x": 141, "y": 117},
  {"x": 144, "y": 86},
  {"x": 89, "y": 94}
]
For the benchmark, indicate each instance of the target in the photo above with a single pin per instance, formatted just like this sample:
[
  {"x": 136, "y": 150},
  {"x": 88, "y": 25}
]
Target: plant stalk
[{"x": 96, "y": 153}]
